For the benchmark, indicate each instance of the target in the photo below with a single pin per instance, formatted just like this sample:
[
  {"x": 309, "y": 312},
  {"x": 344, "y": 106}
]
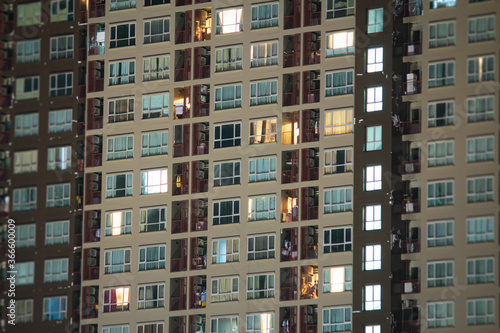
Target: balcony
[
  {"x": 290, "y": 241},
  {"x": 202, "y": 23},
  {"x": 178, "y": 293},
  {"x": 411, "y": 127},
  {"x": 409, "y": 246},
  {"x": 183, "y": 27},
  {"x": 288, "y": 283},
  {"x": 97, "y": 8},
  {"x": 411, "y": 286},
  {"x": 411, "y": 206},
  {"x": 412, "y": 8},
  {"x": 412, "y": 48},
  {"x": 411, "y": 318},
  {"x": 412, "y": 87},
  {"x": 292, "y": 14},
  {"x": 411, "y": 167}
]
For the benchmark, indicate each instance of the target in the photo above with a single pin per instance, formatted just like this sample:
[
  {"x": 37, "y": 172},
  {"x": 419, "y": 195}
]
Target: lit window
[
  {"x": 440, "y": 193},
  {"x": 338, "y": 122},
  {"x": 440, "y": 314},
  {"x": 119, "y": 185},
  {"x": 338, "y": 161},
  {"x": 480, "y": 189},
  {"x": 120, "y": 110},
  {"x": 118, "y": 223},
  {"x": 25, "y": 161},
  {"x": 61, "y": 84},
  {"x": 481, "y": 108},
  {"x": 54, "y": 308},
  {"x": 339, "y": 8},
  {"x": 28, "y": 51},
  {"x": 375, "y": 20},
  {"x": 224, "y": 289},
  {"x": 224, "y": 325},
  {"x": 228, "y": 97},
  {"x": 120, "y": 147},
  {"x": 224, "y": 251},
  {"x": 339, "y": 43},
  {"x": 263, "y": 131},
  {"x": 57, "y": 233},
  {"x": 24, "y": 311},
  {"x": 154, "y": 143},
  {"x": 337, "y": 279},
  {"x": 441, "y": 74},
  {"x": 439, "y": 233},
  {"x": 156, "y": 30},
  {"x": 261, "y": 247},
  {"x": 27, "y": 124},
  {"x": 227, "y": 135},
  {"x": 441, "y": 3},
  {"x": 59, "y": 158},
  {"x": 262, "y": 208},
  {"x": 153, "y": 106},
  {"x": 481, "y": 29},
  {"x": 481, "y": 69},
  {"x": 153, "y": 219},
  {"x": 373, "y": 138},
  {"x": 373, "y": 329},
  {"x": 122, "y": 35},
  {"x": 441, "y": 34},
  {"x": 264, "y": 54},
  {"x": 25, "y": 273},
  {"x": 58, "y": 195},
  {"x": 226, "y": 212},
  {"x": 229, "y": 58},
  {"x": 373, "y": 217},
  {"x": 60, "y": 121},
  {"x": 229, "y": 20},
  {"x": 480, "y": 149},
  {"x": 373, "y": 298},
  {"x": 122, "y": 72},
  {"x": 441, "y": 114},
  {"x": 116, "y": 299},
  {"x": 374, "y": 99},
  {"x": 121, "y": 4},
  {"x": 440, "y": 274},
  {"x": 339, "y": 83},
  {"x": 375, "y": 60},
  {"x": 480, "y": 270},
  {"x": 373, "y": 178},
  {"x": 337, "y": 319},
  {"x": 260, "y": 286},
  {"x": 117, "y": 261},
  {"x": 56, "y": 270},
  {"x": 24, "y": 199},
  {"x": 27, "y": 88},
  {"x": 265, "y": 16},
  {"x": 263, "y": 92},
  {"x": 372, "y": 257},
  {"x": 25, "y": 236},
  {"x": 440, "y": 153},
  {"x": 261, "y": 169},
  {"x": 29, "y": 14},
  {"x": 337, "y": 240},
  {"x": 61, "y": 10},
  {"x": 337, "y": 200},
  {"x": 156, "y": 68},
  {"x": 481, "y": 311},
  {"x": 151, "y": 296},
  {"x": 154, "y": 181},
  {"x": 480, "y": 230}
]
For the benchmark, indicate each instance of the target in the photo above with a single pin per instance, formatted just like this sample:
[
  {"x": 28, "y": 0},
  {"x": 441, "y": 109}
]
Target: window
[
  {"x": 372, "y": 257},
  {"x": 56, "y": 270},
  {"x": 375, "y": 20},
  {"x": 440, "y": 233},
  {"x": 261, "y": 322},
  {"x": 25, "y": 273},
  {"x": 337, "y": 319},
  {"x": 154, "y": 143},
  {"x": 441, "y": 74},
  {"x": 227, "y": 135},
  {"x": 338, "y": 122},
  {"x": 120, "y": 110},
  {"x": 262, "y": 208},
  {"x": 153, "y": 219},
  {"x": 28, "y": 14},
  {"x": 373, "y": 298},
  {"x": 480, "y": 230},
  {"x": 28, "y": 51},
  {"x": 481, "y": 69},
  {"x": 228, "y": 97},
  {"x": 60, "y": 121},
  {"x": 224, "y": 251},
  {"x": 122, "y": 35},
  {"x": 27, "y": 124},
  {"x": 153, "y": 106},
  {"x": 152, "y": 257},
  {"x": 481, "y": 311},
  {"x": 480, "y": 270},
  {"x": 337, "y": 200},
  {"x": 157, "y": 30},
  {"x": 154, "y": 181},
  {"x": 227, "y": 173},
  {"x": 440, "y": 314},
  {"x": 263, "y": 131},
  {"x": 61, "y": 84},
  {"x": 116, "y": 299},
  {"x": 226, "y": 212},
  {"x": 480, "y": 189},
  {"x": 61, "y": 10},
  {"x": 338, "y": 161},
  {"x": 151, "y": 296},
  {"x": 119, "y": 185},
  {"x": 481, "y": 29},
  {"x": 229, "y": 58},
  {"x": 118, "y": 223},
  {"x": 480, "y": 149},
  {"x": 122, "y": 72},
  {"x": 24, "y": 199},
  {"x": 118, "y": 329},
  {"x": 440, "y": 193},
  {"x": 260, "y": 286},
  {"x": 122, "y": 4},
  {"x": 339, "y": 8},
  {"x": 337, "y": 279},
  {"x": 224, "y": 289},
  {"x": 24, "y": 311},
  {"x": 27, "y": 88},
  {"x": 59, "y": 158},
  {"x": 264, "y": 54},
  {"x": 261, "y": 247},
  {"x": 373, "y": 178},
  {"x": 339, "y": 43},
  {"x": 339, "y": 83},
  {"x": 154, "y": 3},
  {"x": 440, "y": 153},
  {"x": 441, "y": 3},
  {"x": 58, "y": 195},
  {"x": 373, "y": 217},
  {"x": 261, "y": 169},
  {"x": 224, "y": 325},
  {"x": 263, "y": 92},
  {"x": 54, "y": 308},
  {"x": 265, "y": 16},
  {"x": 25, "y": 236},
  {"x": 373, "y": 138},
  {"x": 373, "y": 329},
  {"x": 25, "y": 161},
  {"x": 120, "y": 147},
  {"x": 440, "y": 274},
  {"x": 229, "y": 21},
  {"x": 154, "y": 327},
  {"x": 374, "y": 99},
  {"x": 61, "y": 47},
  {"x": 480, "y": 109},
  {"x": 375, "y": 60},
  {"x": 117, "y": 261},
  {"x": 441, "y": 114},
  {"x": 441, "y": 34},
  {"x": 156, "y": 68},
  {"x": 57, "y": 233},
  {"x": 337, "y": 240}
]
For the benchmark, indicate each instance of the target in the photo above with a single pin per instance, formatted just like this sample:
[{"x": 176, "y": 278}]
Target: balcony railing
[
  {"x": 179, "y": 226},
  {"x": 289, "y": 255},
  {"x": 311, "y": 135},
  {"x": 412, "y": 87},
  {"x": 94, "y": 160},
  {"x": 91, "y": 273},
  {"x": 413, "y": 8},
  {"x": 177, "y": 303},
  {"x": 199, "y": 262},
  {"x": 287, "y": 177},
  {"x": 178, "y": 264},
  {"x": 411, "y": 127},
  {"x": 289, "y": 60},
  {"x": 199, "y": 224},
  {"x": 410, "y": 167},
  {"x": 78, "y": 240},
  {"x": 94, "y": 235},
  {"x": 89, "y": 311},
  {"x": 410, "y": 246},
  {"x": 411, "y": 286},
  {"x": 4, "y": 174},
  {"x": 410, "y": 326},
  {"x": 411, "y": 206},
  {"x": 412, "y": 48},
  {"x": 82, "y": 91},
  {"x": 77, "y": 278},
  {"x": 93, "y": 198},
  {"x": 290, "y": 98},
  {"x": 288, "y": 294}
]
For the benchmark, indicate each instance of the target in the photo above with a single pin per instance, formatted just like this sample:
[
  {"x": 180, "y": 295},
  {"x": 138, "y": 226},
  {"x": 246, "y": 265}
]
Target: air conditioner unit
[
  {"x": 311, "y": 192},
  {"x": 95, "y": 177},
  {"x": 407, "y": 303},
  {"x": 199, "y": 320},
  {"x": 96, "y": 140},
  {"x": 409, "y": 168},
  {"x": 200, "y": 251},
  {"x": 92, "y": 290},
  {"x": 203, "y": 137},
  {"x": 313, "y": 75},
  {"x": 98, "y": 74},
  {"x": 201, "y": 165},
  {"x": 202, "y": 212},
  {"x": 93, "y": 262},
  {"x": 2, "y": 153},
  {"x": 98, "y": 65},
  {"x": 203, "y": 51},
  {"x": 203, "y": 61},
  {"x": 201, "y": 175},
  {"x": 97, "y": 112},
  {"x": 203, "y": 99},
  {"x": 91, "y": 300},
  {"x": 408, "y": 287},
  {"x": 203, "y": 127},
  {"x": 204, "y": 89},
  {"x": 92, "y": 329},
  {"x": 312, "y": 114},
  {"x": 409, "y": 207},
  {"x": 94, "y": 253},
  {"x": 201, "y": 242},
  {"x": 311, "y": 202},
  {"x": 199, "y": 280},
  {"x": 95, "y": 186},
  {"x": 95, "y": 214},
  {"x": 311, "y": 163},
  {"x": 97, "y": 102}
]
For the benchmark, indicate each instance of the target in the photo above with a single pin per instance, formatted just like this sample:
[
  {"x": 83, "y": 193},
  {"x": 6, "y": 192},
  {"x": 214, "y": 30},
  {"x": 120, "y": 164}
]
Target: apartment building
[{"x": 42, "y": 104}]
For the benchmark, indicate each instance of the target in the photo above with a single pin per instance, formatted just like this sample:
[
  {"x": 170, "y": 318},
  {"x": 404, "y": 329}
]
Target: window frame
[
  {"x": 268, "y": 59},
  {"x": 232, "y": 295},
  {"x": 153, "y": 38},
  {"x": 125, "y": 226},
  {"x": 448, "y": 279},
  {"x": 271, "y": 98},
  {"x": 347, "y": 40},
  {"x": 435, "y": 240},
  {"x": 25, "y": 273},
  {"x": 56, "y": 90},
  {"x": 332, "y": 9},
  {"x": 161, "y": 73},
  {"x": 448, "y": 117},
  {"x": 55, "y": 11},
  {"x": 373, "y": 178},
  {"x": 473, "y": 115},
  {"x": 473, "y": 196},
  {"x": 477, "y": 231},
  {"x": 159, "y": 262},
  {"x": 373, "y": 297},
  {"x": 121, "y": 72},
  {"x": 33, "y": 57},
  {"x": 375, "y": 220},
  {"x": 147, "y": 150},
  {"x": 375, "y": 59},
  {"x": 346, "y": 88},
  {"x": 331, "y": 167},
  {"x": 50, "y": 237},
  {"x": 222, "y": 258},
  {"x": 25, "y": 161},
  {"x": 345, "y": 205},
  {"x": 238, "y": 21},
  {"x": 374, "y": 99},
  {"x": 113, "y": 154},
  {"x": 145, "y": 225},
  {"x": 373, "y": 16},
  {"x": 147, "y": 184},
  {"x": 50, "y": 276},
  {"x": 61, "y": 158},
  {"x": 234, "y": 216},
  {"x": 270, "y": 137},
  {"x": 339, "y": 246},
  {"x": 472, "y": 37},
  {"x": 267, "y": 291},
  {"x": 143, "y": 302},
  {"x": 147, "y": 110},
  {"x": 53, "y": 201},
  {"x": 18, "y": 205},
  {"x": 59, "y": 314},
  {"x": 332, "y": 282},
  {"x": 233, "y": 323},
  {"x": 270, "y": 252},
  {"x": 218, "y": 131},
  {"x": 436, "y": 41},
  {"x": 257, "y": 177},
  {"x": 372, "y": 257},
  {"x": 115, "y": 42},
  {"x": 57, "y": 127},
  {"x": 258, "y": 23},
  {"x": 32, "y": 129},
  {"x": 483, "y": 74},
  {"x": 341, "y": 326},
  {"x": 226, "y": 66},
  {"x": 268, "y": 214},
  {"x": 447, "y": 321},
  {"x": 108, "y": 306},
  {"x": 30, "y": 231},
  {"x": 26, "y": 316},
  {"x": 56, "y": 53},
  {"x": 446, "y": 199},
  {"x": 448, "y": 79},
  {"x": 477, "y": 277},
  {"x": 112, "y": 267},
  {"x": 433, "y": 160},
  {"x": 27, "y": 87},
  {"x": 475, "y": 154},
  {"x": 477, "y": 319},
  {"x": 221, "y": 104},
  {"x": 332, "y": 128},
  {"x": 111, "y": 190}
]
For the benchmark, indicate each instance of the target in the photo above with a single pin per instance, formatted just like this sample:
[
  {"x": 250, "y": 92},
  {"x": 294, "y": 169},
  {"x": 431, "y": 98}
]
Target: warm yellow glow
[
  {"x": 208, "y": 25},
  {"x": 336, "y": 279},
  {"x": 122, "y": 296},
  {"x": 480, "y": 68},
  {"x": 266, "y": 323},
  {"x": 116, "y": 220},
  {"x": 296, "y": 133}
]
